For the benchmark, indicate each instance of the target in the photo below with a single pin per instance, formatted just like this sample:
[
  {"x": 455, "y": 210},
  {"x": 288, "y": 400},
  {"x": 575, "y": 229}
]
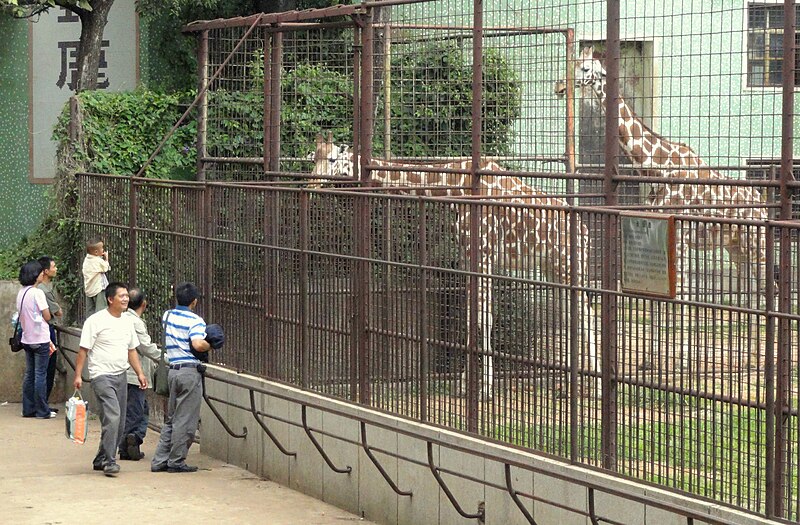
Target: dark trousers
[
  {"x": 51, "y": 365},
  {"x": 34, "y": 387},
  {"x": 136, "y": 417}
]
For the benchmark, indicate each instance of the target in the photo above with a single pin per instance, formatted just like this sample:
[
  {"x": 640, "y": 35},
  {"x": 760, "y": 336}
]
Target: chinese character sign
[{"x": 55, "y": 39}]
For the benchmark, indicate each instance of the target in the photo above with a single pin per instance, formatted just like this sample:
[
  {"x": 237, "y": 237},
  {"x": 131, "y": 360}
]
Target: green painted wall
[
  {"x": 22, "y": 204},
  {"x": 696, "y": 71}
]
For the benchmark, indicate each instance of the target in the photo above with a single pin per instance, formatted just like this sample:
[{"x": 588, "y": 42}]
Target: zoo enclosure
[{"x": 366, "y": 293}]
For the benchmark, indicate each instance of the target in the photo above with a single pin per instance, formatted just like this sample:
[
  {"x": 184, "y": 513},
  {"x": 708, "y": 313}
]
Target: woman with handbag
[{"x": 33, "y": 317}]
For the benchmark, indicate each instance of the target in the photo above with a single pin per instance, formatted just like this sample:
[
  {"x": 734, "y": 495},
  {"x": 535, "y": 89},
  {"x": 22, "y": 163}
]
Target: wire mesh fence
[{"x": 431, "y": 210}]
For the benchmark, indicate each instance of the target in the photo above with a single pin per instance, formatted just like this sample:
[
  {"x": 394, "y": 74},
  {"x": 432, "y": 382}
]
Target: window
[
  {"x": 765, "y": 45},
  {"x": 769, "y": 169}
]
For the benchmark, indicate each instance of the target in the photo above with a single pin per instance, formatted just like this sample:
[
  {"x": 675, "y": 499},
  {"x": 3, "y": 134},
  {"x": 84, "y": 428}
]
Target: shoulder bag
[
  {"x": 161, "y": 375},
  {"x": 15, "y": 341}
]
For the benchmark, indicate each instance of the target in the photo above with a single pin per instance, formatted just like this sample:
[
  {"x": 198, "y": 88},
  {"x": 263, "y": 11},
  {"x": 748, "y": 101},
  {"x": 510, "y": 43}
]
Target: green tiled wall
[{"x": 22, "y": 204}]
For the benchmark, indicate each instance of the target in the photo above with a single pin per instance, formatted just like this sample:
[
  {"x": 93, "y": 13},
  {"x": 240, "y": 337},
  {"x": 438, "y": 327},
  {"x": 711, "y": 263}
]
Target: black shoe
[
  {"x": 182, "y": 468},
  {"x": 111, "y": 470},
  {"x": 161, "y": 468},
  {"x": 97, "y": 466},
  {"x": 124, "y": 456},
  {"x": 132, "y": 448}
]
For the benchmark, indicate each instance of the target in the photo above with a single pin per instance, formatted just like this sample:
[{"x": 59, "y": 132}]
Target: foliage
[
  {"x": 170, "y": 53},
  {"x": 121, "y": 130},
  {"x": 314, "y": 98},
  {"x": 29, "y": 8},
  {"x": 431, "y": 107}
]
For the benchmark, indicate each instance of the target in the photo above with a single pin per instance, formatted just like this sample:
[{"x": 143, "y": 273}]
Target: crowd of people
[{"x": 120, "y": 356}]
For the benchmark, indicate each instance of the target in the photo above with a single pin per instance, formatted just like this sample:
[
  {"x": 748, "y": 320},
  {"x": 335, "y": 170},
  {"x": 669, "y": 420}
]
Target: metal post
[
  {"x": 364, "y": 156},
  {"x": 132, "y": 237},
  {"x": 609, "y": 308},
  {"x": 575, "y": 312},
  {"x": 276, "y": 70},
  {"x": 269, "y": 45},
  {"x": 303, "y": 299},
  {"x": 775, "y": 500},
  {"x": 387, "y": 89},
  {"x": 423, "y": 285},
  {"x": 202, "y": 104},
  {"x": 473, "y": 281}
]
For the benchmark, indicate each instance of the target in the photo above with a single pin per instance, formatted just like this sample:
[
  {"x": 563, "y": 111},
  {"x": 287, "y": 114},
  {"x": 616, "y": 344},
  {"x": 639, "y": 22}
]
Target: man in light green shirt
[{"x": 50, "y": 271}]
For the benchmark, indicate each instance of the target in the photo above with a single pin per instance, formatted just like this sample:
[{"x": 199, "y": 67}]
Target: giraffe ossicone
[{"x": 514, "y": 237}]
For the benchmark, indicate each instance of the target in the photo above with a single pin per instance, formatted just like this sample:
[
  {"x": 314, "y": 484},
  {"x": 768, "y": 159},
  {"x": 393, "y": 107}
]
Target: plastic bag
[{"x": 76, "y": 420}]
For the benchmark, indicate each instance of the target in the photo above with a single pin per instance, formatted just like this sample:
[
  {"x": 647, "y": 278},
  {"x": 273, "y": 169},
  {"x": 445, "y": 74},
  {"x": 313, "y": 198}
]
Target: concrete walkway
[{"x": 48, "y": 479}]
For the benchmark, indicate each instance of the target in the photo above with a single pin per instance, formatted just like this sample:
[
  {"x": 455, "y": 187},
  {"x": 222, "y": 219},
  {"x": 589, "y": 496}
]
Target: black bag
[
  {"x": 161, "y": 374},
  {"x": 161, "y": 377},
  {"x": 15, "y": 341}
]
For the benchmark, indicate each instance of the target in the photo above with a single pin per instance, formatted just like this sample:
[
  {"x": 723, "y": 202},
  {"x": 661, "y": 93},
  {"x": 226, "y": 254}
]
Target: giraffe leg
[
  {"x": 485, "y": 322},
  {"x": 682, "y": 242}
]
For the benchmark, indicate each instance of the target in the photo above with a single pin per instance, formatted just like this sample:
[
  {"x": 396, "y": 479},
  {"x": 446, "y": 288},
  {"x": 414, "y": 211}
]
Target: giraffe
[
  {"x": 523, "y": 233},
  {"x": 655, "y": 155}
]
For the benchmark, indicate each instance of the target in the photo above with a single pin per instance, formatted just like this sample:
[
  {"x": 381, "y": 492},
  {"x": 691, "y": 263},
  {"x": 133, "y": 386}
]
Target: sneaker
[
  {"x": 97, "y": 466},
  {"x": 182, "y": 468},
  {"x": 54, "y": 410},
  {"x": 111, "y": 470},
  {"x": 51, "y": 416},
  {"x": 161, "y": 468}
]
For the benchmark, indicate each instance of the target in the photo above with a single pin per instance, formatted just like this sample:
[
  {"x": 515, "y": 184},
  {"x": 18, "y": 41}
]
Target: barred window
[{"x": 765, "y": 45}]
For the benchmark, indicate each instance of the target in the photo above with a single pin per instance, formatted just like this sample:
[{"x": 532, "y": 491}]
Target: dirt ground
[{"x": 48, "y": 479}]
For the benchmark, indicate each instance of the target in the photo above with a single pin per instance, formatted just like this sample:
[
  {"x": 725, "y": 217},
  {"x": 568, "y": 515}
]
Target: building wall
[{"x": 22, "y": 204}]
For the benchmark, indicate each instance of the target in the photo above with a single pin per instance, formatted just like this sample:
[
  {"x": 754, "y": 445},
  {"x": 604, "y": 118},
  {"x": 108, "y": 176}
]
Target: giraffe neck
[
  {"x": 448, "y": 184},
  {"x": 645, "y": 148}
]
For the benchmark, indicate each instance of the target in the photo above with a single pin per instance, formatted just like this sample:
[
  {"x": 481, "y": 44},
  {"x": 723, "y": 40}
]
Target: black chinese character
[
  {"x": 67, "y": 16},
  {"x": 69, "y": 64}
]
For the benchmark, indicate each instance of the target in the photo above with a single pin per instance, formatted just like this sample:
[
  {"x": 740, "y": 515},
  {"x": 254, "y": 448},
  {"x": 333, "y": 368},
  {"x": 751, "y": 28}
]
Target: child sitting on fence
[{"x": 95, "y": 266}]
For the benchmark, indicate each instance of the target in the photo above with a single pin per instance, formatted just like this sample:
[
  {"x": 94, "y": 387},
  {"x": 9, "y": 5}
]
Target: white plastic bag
[{"x": 77, "y": 423}]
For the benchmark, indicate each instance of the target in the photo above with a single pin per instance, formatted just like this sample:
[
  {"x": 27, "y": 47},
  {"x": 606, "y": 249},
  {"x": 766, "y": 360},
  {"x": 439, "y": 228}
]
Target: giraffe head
[
  {"x": 589, "y": 74},
  {"x": 330, "y": 160}
]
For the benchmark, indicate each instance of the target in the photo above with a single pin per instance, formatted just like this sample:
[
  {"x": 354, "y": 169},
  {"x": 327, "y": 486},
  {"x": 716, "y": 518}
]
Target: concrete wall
[
  {"x": 12, "y": 366},
  {"x": 364, "y": 492}
]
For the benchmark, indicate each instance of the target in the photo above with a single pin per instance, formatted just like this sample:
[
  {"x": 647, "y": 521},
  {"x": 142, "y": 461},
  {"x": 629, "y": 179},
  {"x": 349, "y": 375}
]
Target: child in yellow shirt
[{"x": 95, "y": 266}]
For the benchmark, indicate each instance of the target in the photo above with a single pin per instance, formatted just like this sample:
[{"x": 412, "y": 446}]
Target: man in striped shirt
[{"x": 185, "y": 330}]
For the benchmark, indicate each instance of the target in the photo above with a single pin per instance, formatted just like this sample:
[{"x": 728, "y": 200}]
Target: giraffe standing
[
  {"x": 511, "y": 236},
  {"x": 657, "y": 156}
]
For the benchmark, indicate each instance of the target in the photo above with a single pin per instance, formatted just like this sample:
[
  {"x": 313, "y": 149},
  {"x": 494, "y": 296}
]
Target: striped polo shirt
[{"x": 180, "y": 325}]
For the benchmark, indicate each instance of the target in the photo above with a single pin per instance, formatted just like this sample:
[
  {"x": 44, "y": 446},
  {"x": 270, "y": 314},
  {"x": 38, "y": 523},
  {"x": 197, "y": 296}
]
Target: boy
[{"x": 95, "y": 266}]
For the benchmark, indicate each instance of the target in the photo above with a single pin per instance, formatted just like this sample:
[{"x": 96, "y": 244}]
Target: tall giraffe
[
  {"x": 657, "y": 156},
  {"x": 522, "y": 233}
]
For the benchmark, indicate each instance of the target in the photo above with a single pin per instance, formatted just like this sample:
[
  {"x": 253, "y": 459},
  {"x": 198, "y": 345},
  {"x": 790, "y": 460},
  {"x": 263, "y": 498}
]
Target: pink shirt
[{"x": 35, "y": 329}]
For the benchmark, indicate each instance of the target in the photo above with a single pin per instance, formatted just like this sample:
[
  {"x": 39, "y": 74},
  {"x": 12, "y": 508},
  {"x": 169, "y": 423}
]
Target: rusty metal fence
[{"x": 366, "y": 227}]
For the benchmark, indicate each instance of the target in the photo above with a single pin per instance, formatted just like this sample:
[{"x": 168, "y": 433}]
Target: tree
[{"x": 94, "y": 17}]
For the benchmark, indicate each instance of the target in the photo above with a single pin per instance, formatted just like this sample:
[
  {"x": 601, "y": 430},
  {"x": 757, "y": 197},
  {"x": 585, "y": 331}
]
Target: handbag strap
[{"x": 19, "y": 311}]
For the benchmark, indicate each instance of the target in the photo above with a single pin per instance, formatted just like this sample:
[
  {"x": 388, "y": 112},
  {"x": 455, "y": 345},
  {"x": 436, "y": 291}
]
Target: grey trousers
[
  {"x": 183, "y": 414},
  {"x": 96, "y": 303},
  {"x": 111, "y": 392}
]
